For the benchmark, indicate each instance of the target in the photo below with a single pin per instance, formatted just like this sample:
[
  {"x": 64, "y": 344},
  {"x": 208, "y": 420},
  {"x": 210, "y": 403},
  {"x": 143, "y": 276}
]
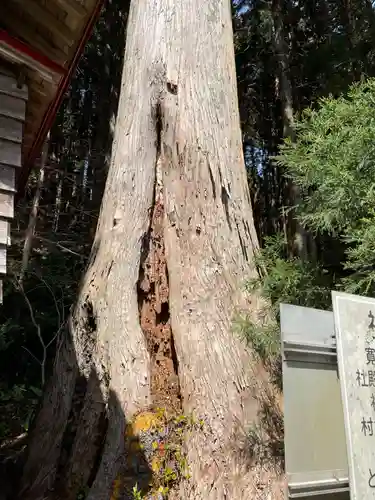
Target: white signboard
[{"x": 355, "y": 334}]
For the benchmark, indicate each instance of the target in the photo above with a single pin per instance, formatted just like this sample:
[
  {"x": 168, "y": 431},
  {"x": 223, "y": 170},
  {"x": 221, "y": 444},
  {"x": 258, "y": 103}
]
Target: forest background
[{"x": 307, "y": 105}]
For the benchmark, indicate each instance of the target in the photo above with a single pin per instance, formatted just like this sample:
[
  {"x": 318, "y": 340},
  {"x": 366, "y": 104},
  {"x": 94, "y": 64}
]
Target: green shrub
[
  {"x": 288, "y": 280},
  {"x": 333, "y": 163},
  {"x": 284, "y": 280}
]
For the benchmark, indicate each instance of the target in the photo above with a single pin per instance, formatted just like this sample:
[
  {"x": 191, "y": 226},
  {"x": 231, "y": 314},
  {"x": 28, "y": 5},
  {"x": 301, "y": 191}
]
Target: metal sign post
[{"x": 315, "y": 449}]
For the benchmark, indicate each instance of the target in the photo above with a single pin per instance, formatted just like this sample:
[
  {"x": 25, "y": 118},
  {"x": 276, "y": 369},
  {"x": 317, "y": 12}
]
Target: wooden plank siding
[
  {"x": 40, "y": 44},
  {"x": 12, "y": 117},
  {"x": 8, "y": 85},
  {"x": 4, "y": 232},
  {"x": 11, "y": 129},
  {"x": 10, "y": 153},
  {"x": 12, "y": 108},
  {"x": 7, "y": 178},
  {"x": 3, "y": 260},
  {"x": 55, "y": 30}
]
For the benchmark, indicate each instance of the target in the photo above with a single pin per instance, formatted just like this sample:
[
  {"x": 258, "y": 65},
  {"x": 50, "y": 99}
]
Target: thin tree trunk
[
  {"x": 30, "y": 231},
  {"x": 177, "y": 161},
  {"x": 349, "y": 24},
  {"x": 302, "y": 244}
]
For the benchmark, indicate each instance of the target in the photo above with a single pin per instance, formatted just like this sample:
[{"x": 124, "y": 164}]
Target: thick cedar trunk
[{"x": 178, "y": 147}]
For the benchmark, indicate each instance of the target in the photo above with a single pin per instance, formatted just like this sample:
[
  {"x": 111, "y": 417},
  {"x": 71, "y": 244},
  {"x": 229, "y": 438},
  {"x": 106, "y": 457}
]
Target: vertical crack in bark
[
  {"x": 225, "y": 197},
  {"x": 175, "y": 360},
  {"x": 213, "y": 184},
  {"x": 242, "y": 243},
  {"x": 158, "y": 119},
  {"x": 225, "y": 202},
  {"x": 153, "y": 295},
  {"x": 153, "y": 300}
]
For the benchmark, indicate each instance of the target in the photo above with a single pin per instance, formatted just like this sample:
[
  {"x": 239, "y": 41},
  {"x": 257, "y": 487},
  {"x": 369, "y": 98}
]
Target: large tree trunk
[{"x": 174, "y": 244}]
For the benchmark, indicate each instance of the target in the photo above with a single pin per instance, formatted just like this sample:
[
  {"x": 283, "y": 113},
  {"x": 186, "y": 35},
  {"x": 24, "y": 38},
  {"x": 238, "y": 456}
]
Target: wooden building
[{"x": 40, "y": 44}]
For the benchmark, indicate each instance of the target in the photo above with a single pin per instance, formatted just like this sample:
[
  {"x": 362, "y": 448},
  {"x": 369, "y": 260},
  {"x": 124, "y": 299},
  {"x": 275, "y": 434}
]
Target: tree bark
[
  {"x": 30, "y": 231},
  {"x": 302, "y": 244},
  {"x": 177, "y": 151}
]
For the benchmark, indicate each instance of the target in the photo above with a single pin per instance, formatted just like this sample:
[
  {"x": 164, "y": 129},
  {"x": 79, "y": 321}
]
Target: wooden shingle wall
[
  {"x": 54, "y": 30},
  {"x": 13, "y": 100}
]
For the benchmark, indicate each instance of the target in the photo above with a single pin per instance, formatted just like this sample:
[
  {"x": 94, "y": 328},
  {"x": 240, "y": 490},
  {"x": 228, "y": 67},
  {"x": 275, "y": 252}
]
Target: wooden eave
[{"x": 42, "y": 41}]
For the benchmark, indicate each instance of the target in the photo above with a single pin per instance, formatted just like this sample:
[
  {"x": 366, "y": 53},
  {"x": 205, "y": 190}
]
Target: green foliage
[
  {"x": 18, "y": 404},
  {"x": 170, "y": 464},
  {"x": 6, "y": 334},
  {"x": 264, "y": 338},
  {"x": 82, "y": 493},
  {"x": 136, "y": 493},
  {"x": 285, "y": 280},
  {"x": 328, "y": 46},
  {"x": 290, "y": 280},
  {"x": 333, "y": 162}
]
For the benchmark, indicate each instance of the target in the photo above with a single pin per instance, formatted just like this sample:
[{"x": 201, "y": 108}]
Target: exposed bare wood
[
  {"x": 11, "y": 129},
  {"x": 11, "y": 107},
  {"x": 8, "y": 85}
]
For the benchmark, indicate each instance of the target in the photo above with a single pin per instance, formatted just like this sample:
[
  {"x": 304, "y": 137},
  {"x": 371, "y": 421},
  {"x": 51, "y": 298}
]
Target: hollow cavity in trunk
[{"x": 153, "y": 301}]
